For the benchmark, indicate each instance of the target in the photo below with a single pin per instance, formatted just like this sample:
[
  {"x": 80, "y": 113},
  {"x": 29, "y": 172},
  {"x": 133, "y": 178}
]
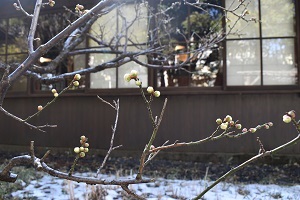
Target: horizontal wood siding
[{"x": 187, "y": 118}]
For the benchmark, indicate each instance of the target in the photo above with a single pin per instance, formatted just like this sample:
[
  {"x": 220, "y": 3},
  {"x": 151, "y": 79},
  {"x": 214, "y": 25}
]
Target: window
[
  {"x": 254, "y": 54},
  {"x": 13, "y": 47},
  {"x": 262, "y": 53},
  {"x": 105, "y": 30},
  {"x": 189, "y": 28},
  {"x": 47, "y": 28}
]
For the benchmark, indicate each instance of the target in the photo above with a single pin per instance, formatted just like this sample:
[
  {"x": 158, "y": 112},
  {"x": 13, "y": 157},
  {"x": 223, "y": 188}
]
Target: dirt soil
[{"x": 282, "y": 171}]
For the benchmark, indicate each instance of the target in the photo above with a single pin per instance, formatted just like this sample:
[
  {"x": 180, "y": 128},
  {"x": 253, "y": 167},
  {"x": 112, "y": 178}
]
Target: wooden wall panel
[{"x": 187, "y": 118}]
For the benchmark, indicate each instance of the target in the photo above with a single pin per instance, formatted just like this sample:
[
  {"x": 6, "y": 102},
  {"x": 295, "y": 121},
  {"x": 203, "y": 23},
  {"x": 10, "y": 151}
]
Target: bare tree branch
[
  {"x": 125, "y": 188},
  {"x": 19, "y": 7},
  {"x": 255, "y": 158},
  {"x": 224, "y": 134},
  {"x": 33, "y": 26},
  {"x": 39, "y": 128},
  {"x": 114, "y": 128},
  {"x": 5, "y": 174},
  {"x": 34, "y": 56}
]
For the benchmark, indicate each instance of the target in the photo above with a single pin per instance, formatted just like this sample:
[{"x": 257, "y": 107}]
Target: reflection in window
[
  {"x": 205, "y": 71},
  {"x": 243, "y": 62},
  {"x": 195, "y": 25},
  {"x": 50, "y": 25},
  {"x": 241, "y": 28},
  {"x": 105, "y": 29},
  {"x": 69, "y": 64},
  {"x": 263, "y": 53},
  {"x": 17, "y": 35},
  {"x": 105, "y": 78},
  {"x": 3, "y": 32},
  {"x": 13, "y": 48},
  {"x": 279, "y": 64},
  {"x": 46, "y": 30},
  {"x": 278, "y": 21},
  {"x": 13, "y": 37}
]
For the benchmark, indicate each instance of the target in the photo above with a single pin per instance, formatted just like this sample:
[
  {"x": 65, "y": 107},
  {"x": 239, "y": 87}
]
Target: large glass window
[
  {"x": 47, "y": 28},
  {"x": 189, "y": 28},
  {"x": 3, "y": 31},
  {"x": 14, "y": 49},
  {"x": 262, "y": 53},
  {"x": 111, "y": 30},
  {"x": 13, "y": 34},
  {"x": 256, "y": 54}
]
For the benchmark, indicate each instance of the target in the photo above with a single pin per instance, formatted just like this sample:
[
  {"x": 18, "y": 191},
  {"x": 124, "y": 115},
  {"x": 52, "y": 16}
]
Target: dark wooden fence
[{"x": 187, "y": 118}]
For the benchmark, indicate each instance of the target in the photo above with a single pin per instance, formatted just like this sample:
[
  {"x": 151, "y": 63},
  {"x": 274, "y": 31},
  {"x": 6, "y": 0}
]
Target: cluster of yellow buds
[
  {"x": 79, "y": 7},
  {"x": 227, "y": 122},
  {"x": 76, "y": 79},
  {"x": 84, "y": 148},
  {"x": 253, "y": 130},
  {"x": 75, "y": 82},
  {"x": 133, "y": 75},
  {"x": 287, "y": 118},
  {"x": 151, "y": 91},
  {"x": 54, "y": 92},
  {"x": 51, "y": 3}
]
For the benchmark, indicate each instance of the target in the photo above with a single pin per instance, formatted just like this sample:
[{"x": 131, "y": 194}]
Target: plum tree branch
[
  {"x": 35, "y": 55},
  {"x": 6, "y": 175},
  {"x": 34, "y": 23},
  {"x": 155, "y": 127},
  {"x": 253, "y": 159},
  {"x": 224, "y": 134},
  {"x": 39, "y": 128},
  {"x": 116, "y": 107}
]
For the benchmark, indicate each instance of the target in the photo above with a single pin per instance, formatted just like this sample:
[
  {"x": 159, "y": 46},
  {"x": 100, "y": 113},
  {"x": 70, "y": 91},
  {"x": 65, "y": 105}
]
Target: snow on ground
[{"x": 53, "y": 188}]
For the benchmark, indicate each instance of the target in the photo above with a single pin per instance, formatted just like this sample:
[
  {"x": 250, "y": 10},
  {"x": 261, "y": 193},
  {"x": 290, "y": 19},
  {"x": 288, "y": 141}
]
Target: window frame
[
  {"x": 122, "y": 90},
  {"x": 6, "y": 55},
  {"x": 152, "y": 77},
  {"x": 296, "y": 38}
]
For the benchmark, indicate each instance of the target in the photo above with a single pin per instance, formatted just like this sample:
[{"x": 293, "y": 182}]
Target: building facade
[{"x": 253, "y": 75}]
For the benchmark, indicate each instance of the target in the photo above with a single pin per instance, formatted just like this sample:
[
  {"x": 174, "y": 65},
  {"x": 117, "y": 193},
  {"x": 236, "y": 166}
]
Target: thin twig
[
  {"x": 19, "y": 7},
  {"x": 114, "y": 107},
  {"x": 125, "y": 188},
  {"x": 45, "y": 155},
  {"x": 148, "y": 105},
  {"x": 152, "y": 155},
  {"x": 34, "y": 23},
  {"x": 261, "y": 146},
  {"x": 73, "y": 165},
  {"x": 254, "y": 158},
  {"x": 153, "y": 136},
  {"x": 32, "y": 154},
  {"x": 212, "y": 137},
  {"x": 114, "y": 128},
  {"x": 39, "y": 128},
  {"x": 154, "y": 132},
  {"x": 51, "y": 102}
]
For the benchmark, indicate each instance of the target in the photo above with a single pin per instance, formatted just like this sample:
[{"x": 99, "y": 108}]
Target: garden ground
[{"x": 278, "y": 179}]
